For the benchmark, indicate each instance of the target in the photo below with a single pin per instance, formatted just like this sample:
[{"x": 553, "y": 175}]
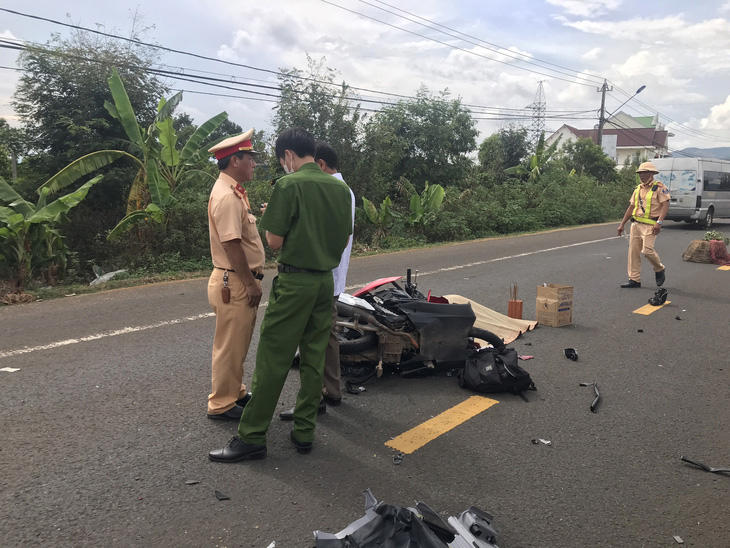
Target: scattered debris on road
[
  {"x": 571, "y": 354},
  {"x": 706, "y": 468},
  {"x": 659, "y": 298},
  {"x": 538, "y": 441},
  {"x": 398, "y": 458},
  {"x": 677, "y": 318},
  {"x": 353, "y": 389},
  {"x": 639, "y": 330},
  {"x": 678, "y": 539},
  {"x": 10, "y": 369},
  {"x": 221, "y": 496},
  {"x": 594, "y": 403},
  {"x": 391, "y": 525},
  {"x": 524, "y": 357},
  {"x": 192, "y": 482}
]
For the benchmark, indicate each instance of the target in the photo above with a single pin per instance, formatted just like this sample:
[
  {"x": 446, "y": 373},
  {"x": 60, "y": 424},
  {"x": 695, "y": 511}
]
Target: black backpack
[{"x": 490, "y": 371}]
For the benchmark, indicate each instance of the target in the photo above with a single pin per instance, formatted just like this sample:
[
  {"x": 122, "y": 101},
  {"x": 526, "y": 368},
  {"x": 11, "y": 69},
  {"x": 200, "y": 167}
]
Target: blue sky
[{"x": 677, "y": 49}]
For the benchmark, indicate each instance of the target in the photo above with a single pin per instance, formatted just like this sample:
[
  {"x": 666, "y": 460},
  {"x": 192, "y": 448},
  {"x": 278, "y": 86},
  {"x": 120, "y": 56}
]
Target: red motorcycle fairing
[{"x": 375, "y": 284}]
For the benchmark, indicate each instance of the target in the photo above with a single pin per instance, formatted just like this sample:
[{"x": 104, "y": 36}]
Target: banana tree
[
  {"x": 162, "y": 166},
  {"x": 29, "y": 238},
  {"x": 537, "y": 162},
  {"x": 424, "y": 207},
  {"x": 382, "y": 218}
]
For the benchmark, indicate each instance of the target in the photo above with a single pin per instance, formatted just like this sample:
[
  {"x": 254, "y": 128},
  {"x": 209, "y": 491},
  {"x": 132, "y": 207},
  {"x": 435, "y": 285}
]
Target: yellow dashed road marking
[
  {"x": 417, "y": 437},
  {"x": 649, "y": 308}
]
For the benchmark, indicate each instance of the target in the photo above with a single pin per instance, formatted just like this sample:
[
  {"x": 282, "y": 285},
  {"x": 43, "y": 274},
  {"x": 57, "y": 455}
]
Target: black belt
[
  {"x": 652, "y": 218},
  {"x": 287, "y": 268},
  {"x": 257, "y": 275}
]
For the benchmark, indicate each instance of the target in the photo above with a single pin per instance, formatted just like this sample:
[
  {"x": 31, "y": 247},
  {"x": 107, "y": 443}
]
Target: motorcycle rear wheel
[{"x": 360, "y": 341}]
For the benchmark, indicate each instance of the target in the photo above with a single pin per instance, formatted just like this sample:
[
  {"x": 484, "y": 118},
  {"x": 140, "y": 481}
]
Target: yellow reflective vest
[{"x": 647, "y": 207}]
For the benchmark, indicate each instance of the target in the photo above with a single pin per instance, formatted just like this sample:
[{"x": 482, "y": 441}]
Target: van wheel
[{"x": 707, "y": 223}]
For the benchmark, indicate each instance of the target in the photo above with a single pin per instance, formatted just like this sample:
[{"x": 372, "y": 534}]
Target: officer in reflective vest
[{"x": 648, "y": 206}]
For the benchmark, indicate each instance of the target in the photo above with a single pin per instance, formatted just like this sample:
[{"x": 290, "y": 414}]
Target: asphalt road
[{"x": 104, "y": 422}]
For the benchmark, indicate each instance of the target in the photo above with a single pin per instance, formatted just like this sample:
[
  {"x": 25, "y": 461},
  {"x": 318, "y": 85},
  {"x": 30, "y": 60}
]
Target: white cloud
[
  {"x": 592, "y": 54},
  {"x": 719, "y": 116},
  {"x": 586, "y": 8},
  {"x": 725, "y": 8}
]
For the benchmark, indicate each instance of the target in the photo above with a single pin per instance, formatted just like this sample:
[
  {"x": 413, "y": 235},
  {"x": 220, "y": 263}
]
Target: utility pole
[{"x": 602, "y": 118}]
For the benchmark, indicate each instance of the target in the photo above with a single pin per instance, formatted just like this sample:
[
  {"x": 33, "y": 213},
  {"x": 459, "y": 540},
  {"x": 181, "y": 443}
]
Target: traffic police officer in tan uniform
[
  {"x": 234, "y": 287},
  {"x": 648, "y": 206}
]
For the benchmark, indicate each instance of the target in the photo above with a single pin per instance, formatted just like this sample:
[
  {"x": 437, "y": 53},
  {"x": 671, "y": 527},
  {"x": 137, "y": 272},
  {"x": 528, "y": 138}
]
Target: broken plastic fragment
[
  {"x": 221, "y": 496},
  {"x": 523, "y": 357},
  {"x": 541, "y": 440},
  {"x": 191, "y": 482},
  {"x": 678, "y": 539},
  {"x": 10, "y": 369},
  {"x": 677, "y": 318},
  {"x": 639, "y": 330},
  {"x": 398, "y": 458},
  {"x": 571, "y": 354}
]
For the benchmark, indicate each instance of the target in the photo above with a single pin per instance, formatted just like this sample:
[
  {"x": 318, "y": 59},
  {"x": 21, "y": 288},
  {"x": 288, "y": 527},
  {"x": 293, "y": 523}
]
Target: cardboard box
[{"x": 554, "y": 305}]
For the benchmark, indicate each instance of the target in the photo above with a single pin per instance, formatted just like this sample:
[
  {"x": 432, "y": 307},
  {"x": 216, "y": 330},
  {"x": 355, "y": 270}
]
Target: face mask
[{"x": 287, "y": 169}]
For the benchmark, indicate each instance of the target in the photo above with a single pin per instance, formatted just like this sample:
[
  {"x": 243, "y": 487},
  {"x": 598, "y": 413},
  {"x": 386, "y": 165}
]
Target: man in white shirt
[{"x": 326, "y": 159}]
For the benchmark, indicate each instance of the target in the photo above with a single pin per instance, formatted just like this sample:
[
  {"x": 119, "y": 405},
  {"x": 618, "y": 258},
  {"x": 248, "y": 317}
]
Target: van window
[{"x": 717, "y": 180}]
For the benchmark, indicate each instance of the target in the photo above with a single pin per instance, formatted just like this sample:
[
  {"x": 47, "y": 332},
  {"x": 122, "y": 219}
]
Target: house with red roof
[{"x": 624, "y": 137}]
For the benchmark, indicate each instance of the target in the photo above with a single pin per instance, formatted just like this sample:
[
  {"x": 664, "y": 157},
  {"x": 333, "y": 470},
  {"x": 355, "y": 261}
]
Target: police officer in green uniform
[{"x": 308, "y": 219}]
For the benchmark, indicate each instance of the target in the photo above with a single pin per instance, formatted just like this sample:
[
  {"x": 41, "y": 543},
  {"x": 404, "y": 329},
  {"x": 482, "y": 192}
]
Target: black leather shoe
[
  {"x": 631, "y": 283},
  {"x": 244, "y": 400},
  {"x": 238, "y": 450},
  {"x": 288, "y": 415},
  {"x": 233, "y": 414},
  {"x": 303, "y": 447},
  {"x": 660, "y": 277},
  {"x": 329, "y": 400}
]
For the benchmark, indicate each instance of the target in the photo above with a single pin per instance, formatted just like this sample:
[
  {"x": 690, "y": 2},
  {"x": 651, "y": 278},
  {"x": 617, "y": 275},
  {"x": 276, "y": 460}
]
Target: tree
[
  {"x": 60, "y": 98},
  {"x": 312, "y": 99},
  {"x": 532, "y": 169},
  {"x": 162, "y": 167},
  {"x": 587, "y": 158},
  {"x": 428, "y": 138},
  {"x": 29, "y": 234},
  {"x": 12, "y": 145},
  {"x": 508, "y": 147}
]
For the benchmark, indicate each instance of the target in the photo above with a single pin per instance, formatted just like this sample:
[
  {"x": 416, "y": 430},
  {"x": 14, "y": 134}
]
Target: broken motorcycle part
[
  {"x": 571, "y": 354},
  {"x": 594, "y": 404},
  {"x": 659, "y": 298},
  {"x": 706, "y": 468}
]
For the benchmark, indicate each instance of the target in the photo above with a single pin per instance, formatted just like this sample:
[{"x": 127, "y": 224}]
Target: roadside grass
[{"x": 144, "y": 276}]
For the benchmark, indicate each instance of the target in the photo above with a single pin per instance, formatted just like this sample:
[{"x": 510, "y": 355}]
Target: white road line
[
  {"x": 102, "y": 335},
  {"x": 138, "y": 328}
]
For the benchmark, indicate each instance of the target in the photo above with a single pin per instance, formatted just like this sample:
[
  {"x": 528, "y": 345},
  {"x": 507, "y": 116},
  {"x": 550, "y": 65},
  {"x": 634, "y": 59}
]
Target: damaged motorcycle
[{"x": 391, "y": 326}]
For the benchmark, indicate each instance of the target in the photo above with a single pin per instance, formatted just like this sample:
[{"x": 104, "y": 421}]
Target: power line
[
  {"x": 500, "y": 51},
  {"x": 278, "y": 73},
  {"x": 221, "y": 82},
  {"x": 451, "y": 45}
]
